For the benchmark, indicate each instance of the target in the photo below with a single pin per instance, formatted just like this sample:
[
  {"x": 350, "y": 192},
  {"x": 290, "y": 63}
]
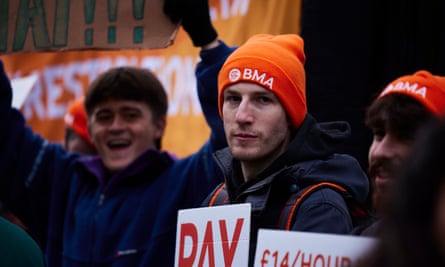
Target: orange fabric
[
  {"x": 426, "y": 88},
  {"x": 275, "y": 62},
  {"x": 76, "y": 119}
]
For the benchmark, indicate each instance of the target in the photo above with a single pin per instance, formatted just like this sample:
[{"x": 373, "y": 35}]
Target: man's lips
[
  {"x": 383, "y": 183},
  {"x": 244, "y": 136},
  {"x": 382, "y": 172}
]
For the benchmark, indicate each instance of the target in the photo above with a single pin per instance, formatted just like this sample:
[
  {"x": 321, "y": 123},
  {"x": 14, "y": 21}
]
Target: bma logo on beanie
[
  {"x": 406, "y": 86},
  {"x": 234, "y": 75},
  {"x": 248, "y": 74},
  {"x": 276, "y": 63},
  {"x": 424, "y": 87}
]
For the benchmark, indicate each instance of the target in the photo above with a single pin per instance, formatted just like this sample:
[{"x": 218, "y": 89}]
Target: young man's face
[
  {"x": 386, "y": 154},
  {"x": 122, "y": 130},
  {"x": 255, "y": 123}
]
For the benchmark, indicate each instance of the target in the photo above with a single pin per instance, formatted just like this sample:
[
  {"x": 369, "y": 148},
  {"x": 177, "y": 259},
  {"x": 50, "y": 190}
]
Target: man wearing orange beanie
[
  {"x": 76, "y": 129},
  {"x": 395, "y": 117},
  {"x": 277, "y": 151}
]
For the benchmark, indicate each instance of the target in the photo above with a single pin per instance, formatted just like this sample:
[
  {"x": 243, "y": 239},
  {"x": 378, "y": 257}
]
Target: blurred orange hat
[
  {"x": 76, "y": 119},
  {"x": 275, "y": 62},
  {"x": 426, "y": 88}
]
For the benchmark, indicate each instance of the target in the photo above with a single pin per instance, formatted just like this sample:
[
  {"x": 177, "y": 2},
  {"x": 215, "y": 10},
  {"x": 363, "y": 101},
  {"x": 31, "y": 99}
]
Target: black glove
[{"x": 195, "y": 19}]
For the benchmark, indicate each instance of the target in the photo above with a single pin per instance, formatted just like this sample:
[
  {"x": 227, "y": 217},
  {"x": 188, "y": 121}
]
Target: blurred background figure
[
  {"x": 413, "y": 232},
  {"x": 395, "y": 117},
  {"x": 77, "y": 138},
  {"x": 17, "y": 248}
]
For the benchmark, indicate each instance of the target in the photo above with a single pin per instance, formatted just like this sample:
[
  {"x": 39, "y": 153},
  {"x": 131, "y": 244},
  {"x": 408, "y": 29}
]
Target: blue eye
[{"x": 232, "y": 98}]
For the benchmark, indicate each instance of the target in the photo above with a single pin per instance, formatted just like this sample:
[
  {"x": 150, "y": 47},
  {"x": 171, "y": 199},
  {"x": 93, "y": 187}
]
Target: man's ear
[{"x": 161, "y": 123}]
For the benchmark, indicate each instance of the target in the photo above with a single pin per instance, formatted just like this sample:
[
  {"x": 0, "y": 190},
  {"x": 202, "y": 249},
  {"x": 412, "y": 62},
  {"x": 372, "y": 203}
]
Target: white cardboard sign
[
  {"x": 213, "y": 236},
  {"x": 292, "y": 249}
]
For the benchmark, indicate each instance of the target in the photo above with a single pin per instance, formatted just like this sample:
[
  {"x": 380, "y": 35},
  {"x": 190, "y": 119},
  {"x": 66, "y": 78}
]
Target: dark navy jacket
[
  {"x": 309, "y": 159},
  {"x": 129, "y": 221}
]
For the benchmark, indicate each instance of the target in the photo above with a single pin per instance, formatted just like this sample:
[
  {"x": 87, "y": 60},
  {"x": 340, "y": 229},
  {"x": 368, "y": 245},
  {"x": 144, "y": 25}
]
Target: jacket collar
[{"x": 154, "y": 160}]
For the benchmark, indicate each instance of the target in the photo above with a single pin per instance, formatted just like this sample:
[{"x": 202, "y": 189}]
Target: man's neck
[{"x": 251, "y": 169}]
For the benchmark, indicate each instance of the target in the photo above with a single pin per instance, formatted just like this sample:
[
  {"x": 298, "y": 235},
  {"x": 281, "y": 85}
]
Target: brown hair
[{"x": 400, "y": 114}]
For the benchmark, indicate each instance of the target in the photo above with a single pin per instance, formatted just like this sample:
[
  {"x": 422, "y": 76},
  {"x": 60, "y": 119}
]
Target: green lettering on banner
[
  {"x": 138, "y": 14},
  {"x": 34, "y": 17},
  {"x": 4, "y": 7},
  {"x": 112, "y": 17},
  {"x": 89, "y": 6},
  {"x": 61, "y": 23}
]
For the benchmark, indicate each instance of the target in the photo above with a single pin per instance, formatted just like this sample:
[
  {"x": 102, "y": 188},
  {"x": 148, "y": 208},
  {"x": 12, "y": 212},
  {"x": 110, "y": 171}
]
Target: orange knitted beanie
[
  {"x": 426, "y": 88},
  {"x": 275, "y": 62}
]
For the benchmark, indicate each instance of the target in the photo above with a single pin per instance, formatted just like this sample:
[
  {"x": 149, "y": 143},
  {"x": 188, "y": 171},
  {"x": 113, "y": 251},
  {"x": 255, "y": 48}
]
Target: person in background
[
  {"x": 413, "y": 232},
  {"x": 276, "y": 149},
  {"x": 403, "y": 107},
  {"x": 17, "y": 248},
  {"x": 77, "y": 138},
  {"x": 118, "y": 208}
]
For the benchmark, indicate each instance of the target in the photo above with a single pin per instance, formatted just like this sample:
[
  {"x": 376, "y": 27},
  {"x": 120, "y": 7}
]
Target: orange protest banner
[{"x": 64, "y": 75}]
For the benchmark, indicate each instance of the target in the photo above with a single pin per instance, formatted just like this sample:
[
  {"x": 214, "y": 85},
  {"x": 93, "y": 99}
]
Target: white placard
[
  {"x": 213, "y": 236},
  {"x": 21, "y": 88},
  {"x": 292, "y": 249}
]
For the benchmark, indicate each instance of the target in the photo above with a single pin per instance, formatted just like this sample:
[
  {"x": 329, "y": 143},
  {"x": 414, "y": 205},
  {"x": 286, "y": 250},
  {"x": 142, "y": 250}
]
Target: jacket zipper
[
  {"x": 95, "y": 224},
  {"x": 101, "y": 200}
]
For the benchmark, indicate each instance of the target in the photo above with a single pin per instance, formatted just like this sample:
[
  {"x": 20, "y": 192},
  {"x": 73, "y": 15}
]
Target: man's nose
[
  {"x": 244, "y": 113},
  {"x": 117, "y": 123},
  {"x": 383, "y": 149}
]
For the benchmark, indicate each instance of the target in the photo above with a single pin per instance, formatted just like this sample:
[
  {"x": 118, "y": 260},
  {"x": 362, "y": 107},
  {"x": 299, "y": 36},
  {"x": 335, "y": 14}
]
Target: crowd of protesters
[{"x": 109, "y": 196}]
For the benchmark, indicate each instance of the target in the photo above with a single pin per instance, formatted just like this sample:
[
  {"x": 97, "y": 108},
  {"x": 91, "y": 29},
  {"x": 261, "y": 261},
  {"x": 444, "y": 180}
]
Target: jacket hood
[
  {"x": 312, "y": 141},
  {"x": 316, "y": 140},
  {"x": 318, "y": 143}
]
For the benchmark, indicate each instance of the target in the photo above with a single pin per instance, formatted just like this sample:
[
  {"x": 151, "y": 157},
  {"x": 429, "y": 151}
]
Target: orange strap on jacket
[
  {"x": 302, "y": 196},
  {"x": 220, "y": 195}
]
